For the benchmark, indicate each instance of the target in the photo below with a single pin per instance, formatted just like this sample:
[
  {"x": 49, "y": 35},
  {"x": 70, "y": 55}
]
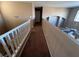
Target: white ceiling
[{"x": 66, "y": 4}]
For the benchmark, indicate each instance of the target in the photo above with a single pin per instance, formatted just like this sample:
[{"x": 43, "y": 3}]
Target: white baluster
[
  {"x": 19, "y": 32},
  {"x": 16, "y": 37},
  {"x": 11, "y": 43},
  {"x": 5, "y": 47},
  {"x": 14, "y": 40}
]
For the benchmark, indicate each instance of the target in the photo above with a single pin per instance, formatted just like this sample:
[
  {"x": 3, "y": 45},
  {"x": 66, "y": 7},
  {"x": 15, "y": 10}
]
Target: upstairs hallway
[{"x": 36, "y": 45}]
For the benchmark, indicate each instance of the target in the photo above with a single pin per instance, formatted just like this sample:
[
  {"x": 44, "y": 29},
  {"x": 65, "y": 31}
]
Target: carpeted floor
[{"x": 36, "y": 45}]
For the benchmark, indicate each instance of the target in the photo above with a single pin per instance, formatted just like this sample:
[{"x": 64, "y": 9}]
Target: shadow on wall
[
  {"x": 9, "y": 13},
  {"x": 3, "y": 27}
]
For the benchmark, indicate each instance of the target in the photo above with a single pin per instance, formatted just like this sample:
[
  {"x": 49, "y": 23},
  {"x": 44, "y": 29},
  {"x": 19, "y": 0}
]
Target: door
[{"x": 38, "y": 14}]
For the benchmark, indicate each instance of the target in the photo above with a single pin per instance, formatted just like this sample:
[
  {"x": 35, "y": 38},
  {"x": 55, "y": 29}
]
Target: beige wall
[
  {"x": 11, "y": 9},
  {"x": 51, "y": 11}
]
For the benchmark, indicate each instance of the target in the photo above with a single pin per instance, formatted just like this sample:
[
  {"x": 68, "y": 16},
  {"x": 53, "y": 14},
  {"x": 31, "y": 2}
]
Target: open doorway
[{"x": 38, "y": 15}]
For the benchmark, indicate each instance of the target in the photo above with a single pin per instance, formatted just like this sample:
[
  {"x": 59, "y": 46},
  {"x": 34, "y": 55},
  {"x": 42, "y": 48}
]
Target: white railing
[{"x": 11, "y": 41}]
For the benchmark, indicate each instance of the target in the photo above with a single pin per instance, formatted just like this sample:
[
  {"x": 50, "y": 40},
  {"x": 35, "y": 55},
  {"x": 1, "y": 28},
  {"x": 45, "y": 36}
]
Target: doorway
[{"x": 38, "y": 15}]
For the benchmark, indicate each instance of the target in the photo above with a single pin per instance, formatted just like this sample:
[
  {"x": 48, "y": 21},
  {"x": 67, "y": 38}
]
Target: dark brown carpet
[{"x": 36, "y": 45}]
